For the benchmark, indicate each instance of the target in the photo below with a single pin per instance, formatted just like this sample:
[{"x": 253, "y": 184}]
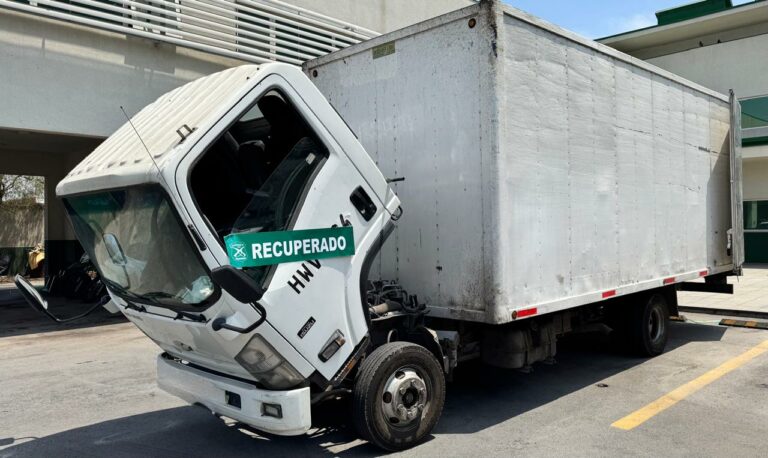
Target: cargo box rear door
[{"x": 737, "y": 205}]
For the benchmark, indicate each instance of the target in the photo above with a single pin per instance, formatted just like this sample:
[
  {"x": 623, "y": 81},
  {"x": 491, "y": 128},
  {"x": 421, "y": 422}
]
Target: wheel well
[
  {"x": 426, "y": 338},
  {"x": 431, "y": 343},
  {"x": 670, "y": 294}
]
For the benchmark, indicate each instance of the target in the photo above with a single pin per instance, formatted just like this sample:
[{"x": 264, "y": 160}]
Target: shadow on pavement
[
  {"x": 487, "y": 396},
  {"x": 480, "y": 397},
  {"x": 19, "y": 318}
]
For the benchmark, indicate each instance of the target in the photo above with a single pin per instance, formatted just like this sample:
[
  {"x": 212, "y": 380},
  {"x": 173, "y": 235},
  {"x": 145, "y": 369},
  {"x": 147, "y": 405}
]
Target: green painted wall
[{"x": 756, "y": 247}]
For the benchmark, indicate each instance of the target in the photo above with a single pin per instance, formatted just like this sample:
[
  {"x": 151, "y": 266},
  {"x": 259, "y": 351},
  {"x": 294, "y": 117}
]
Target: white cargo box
[{"x": 542, "y": 170}]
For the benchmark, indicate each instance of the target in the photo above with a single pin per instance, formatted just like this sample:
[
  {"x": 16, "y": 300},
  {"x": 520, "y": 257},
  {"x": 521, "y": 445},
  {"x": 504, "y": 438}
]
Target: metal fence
[{"x": 251, "y": 30}]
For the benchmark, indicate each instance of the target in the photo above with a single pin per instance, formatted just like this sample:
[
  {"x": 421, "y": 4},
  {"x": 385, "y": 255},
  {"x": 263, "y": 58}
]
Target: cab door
[{"x": 279, "y": 163}]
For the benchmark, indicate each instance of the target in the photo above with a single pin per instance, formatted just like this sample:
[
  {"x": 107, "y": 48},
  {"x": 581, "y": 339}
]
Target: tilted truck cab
[
  {"x": 235, "y": 153},
  {"x": 549, "y": 184}
]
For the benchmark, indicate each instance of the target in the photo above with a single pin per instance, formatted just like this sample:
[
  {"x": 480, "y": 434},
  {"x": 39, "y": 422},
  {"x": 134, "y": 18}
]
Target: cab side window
[{"x": 253, "y": 177}]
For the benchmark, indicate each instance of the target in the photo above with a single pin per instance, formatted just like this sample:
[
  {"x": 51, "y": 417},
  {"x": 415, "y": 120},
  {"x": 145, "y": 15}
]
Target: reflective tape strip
[{"x": 527, "y": 312}]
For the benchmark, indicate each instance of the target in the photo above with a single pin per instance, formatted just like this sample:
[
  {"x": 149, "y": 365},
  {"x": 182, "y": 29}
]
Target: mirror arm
[
  {"x": 98, "y": 304},
  {"x": 221, "y": 322},
  {"x": 244, "y": 289}
]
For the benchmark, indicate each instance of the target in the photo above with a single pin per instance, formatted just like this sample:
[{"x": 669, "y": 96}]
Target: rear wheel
[
  {"x": 649, "y": 326},
  {"x": 398, "y": 395}
]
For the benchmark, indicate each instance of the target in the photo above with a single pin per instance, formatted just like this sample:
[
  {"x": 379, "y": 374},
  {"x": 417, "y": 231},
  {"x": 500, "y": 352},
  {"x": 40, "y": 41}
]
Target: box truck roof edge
[{"x": 495, "y": 9}]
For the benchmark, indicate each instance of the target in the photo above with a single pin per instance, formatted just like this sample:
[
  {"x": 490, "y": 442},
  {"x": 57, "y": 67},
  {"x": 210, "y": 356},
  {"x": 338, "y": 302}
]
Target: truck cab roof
[{"x": 162, "y": 130}]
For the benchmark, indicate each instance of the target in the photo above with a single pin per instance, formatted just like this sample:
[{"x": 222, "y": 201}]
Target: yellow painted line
[{"x": 642, "y": 415}]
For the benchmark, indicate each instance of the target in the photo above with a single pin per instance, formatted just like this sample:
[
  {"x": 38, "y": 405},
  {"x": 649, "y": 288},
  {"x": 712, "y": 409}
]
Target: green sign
[{"x": 253, "y": 249}]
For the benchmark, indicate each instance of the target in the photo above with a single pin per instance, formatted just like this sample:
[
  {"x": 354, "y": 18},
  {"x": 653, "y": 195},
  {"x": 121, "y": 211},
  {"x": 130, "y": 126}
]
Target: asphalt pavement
[{"x": 90, "y": 391}]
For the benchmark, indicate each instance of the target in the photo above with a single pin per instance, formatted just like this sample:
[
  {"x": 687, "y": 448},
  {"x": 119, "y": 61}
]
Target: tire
[
  {"x": 398, "y": 395},
  {"x": 648, "y": 329}
]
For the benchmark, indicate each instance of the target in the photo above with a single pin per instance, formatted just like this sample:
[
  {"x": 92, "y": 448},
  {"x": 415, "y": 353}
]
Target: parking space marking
[{"x": 642, "y": 415}]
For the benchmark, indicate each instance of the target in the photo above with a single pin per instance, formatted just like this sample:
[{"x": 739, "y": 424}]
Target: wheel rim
[
  {"x": 404, "y": 398},
  {"x": 655, "y": 324}
]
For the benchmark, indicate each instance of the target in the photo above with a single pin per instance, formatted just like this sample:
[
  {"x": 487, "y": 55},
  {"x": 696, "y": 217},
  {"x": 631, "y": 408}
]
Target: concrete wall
[
  {"x": 22, "y": 225},
  {"x": 21, "y": 228},
  {"x": 756, "y": 179},
  {"x": 63, "y": 78},
  {"x": 382, "y": 15},
  {"x": 58, "y": 77}
]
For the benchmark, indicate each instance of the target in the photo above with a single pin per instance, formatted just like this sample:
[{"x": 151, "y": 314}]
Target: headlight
[{"x": 266, "y": 365}]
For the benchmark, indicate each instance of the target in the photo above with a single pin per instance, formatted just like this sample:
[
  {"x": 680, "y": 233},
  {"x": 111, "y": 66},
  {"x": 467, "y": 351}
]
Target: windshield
[{"x": 140, "y": 247}]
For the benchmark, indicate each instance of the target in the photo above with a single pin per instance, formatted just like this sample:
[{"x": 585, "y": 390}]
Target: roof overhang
[{"x": 734, "y": 18}]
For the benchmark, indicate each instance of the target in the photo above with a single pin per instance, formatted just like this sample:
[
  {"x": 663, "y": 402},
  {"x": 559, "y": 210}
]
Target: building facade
[
  {"x": 70, "y": 67},
  {"x": 722, "y": 47}
]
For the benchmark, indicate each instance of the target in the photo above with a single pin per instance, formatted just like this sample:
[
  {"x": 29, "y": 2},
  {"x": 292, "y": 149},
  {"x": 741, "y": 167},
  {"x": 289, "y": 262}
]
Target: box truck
[{"x": 471, "y": 187}]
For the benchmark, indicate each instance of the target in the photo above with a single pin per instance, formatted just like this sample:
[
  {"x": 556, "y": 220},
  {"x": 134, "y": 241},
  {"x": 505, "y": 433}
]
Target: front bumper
[{"x": 199, "y": 387}]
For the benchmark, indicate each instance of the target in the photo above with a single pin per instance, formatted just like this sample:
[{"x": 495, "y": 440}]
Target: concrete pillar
[{"x": 61, "y": 246}]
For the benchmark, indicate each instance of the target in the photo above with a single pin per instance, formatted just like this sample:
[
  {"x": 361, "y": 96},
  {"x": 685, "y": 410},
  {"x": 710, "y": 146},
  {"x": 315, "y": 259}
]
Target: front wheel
[{"x": 398, "y": 395}]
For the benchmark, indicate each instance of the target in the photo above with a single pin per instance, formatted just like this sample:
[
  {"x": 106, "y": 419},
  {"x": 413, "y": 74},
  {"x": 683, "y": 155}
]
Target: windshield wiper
[
  {"x": 190, "y": 316},
  {"x": 138, "y": 308},
  {"x": 131, "y": 295},
  {"x": 152, "y": 297},
  {"x": 119, "y": 289},
  {"x": 200, "y": 318}
]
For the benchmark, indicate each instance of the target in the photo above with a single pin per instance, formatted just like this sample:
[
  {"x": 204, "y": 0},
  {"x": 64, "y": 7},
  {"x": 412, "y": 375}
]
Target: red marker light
[{"x": 524, "y": 313}]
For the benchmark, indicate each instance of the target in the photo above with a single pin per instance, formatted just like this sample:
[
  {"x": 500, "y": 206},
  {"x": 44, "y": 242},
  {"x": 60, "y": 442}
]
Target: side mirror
[
  {"x": 38, "y": 302},
  {"x": 31, "y": 295},
  {"x": 237, "y": 283}
]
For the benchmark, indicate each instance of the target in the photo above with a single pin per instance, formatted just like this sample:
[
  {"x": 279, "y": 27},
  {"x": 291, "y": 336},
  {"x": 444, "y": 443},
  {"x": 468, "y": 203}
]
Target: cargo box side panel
[
  {"x": 612, "y": 177},
  {"x": 698, "y": 237},
  {"x": 634, "y": 124},
  {"x": 420, "y": 106},
  {"x": 534, "y": 248}
]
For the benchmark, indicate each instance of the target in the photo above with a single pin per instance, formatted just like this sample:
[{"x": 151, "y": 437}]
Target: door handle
[{"x": 363, "y": 203}]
